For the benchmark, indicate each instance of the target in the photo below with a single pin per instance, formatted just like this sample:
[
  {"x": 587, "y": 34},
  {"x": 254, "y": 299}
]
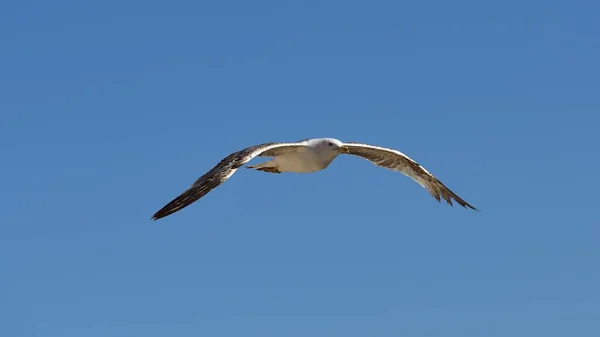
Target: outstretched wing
[
  {"x": 221, "y": 172},
  {"x": 398, "y": 161}
]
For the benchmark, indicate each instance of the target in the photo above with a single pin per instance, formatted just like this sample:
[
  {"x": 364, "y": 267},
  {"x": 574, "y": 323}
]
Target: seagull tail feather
[{"x": 268, "y": 166}]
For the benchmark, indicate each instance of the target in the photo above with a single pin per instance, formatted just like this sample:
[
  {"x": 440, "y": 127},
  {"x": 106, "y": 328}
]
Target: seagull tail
[{"x": 269, "y": 166}]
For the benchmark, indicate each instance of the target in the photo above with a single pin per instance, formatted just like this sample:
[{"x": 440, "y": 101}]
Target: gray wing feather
[
  {"x": 398, "y": 161},
  {"x": 220, "y": 173}
]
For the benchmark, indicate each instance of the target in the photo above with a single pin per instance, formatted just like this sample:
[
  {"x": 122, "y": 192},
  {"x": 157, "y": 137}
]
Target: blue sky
[{"x": 110, "y": 109}]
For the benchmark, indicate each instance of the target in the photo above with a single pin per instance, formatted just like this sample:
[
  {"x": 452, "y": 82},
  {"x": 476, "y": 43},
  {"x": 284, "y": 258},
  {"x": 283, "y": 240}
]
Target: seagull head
[{"x": 335, "y": 146}]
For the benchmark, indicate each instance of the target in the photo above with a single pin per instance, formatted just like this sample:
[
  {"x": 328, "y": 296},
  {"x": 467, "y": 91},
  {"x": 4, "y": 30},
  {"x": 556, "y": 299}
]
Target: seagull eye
[{"x": 330, "y": 143}]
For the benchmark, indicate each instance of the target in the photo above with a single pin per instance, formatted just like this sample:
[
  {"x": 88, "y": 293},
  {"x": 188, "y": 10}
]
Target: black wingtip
[
  {"x": 163, "y": 212},
  {"x": 467, "y": 205},
  {"x": 166, "y": 210}
]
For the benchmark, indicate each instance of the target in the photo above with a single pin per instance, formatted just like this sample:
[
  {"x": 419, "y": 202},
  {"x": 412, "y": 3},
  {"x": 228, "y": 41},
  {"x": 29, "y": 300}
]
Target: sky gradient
[{"x": 110, "y": 109}]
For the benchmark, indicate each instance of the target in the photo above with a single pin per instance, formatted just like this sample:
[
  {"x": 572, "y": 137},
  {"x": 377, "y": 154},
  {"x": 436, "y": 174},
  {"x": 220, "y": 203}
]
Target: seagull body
[
  {"x": 308, "y": 156},
  {"x": 315, "y": 155}
]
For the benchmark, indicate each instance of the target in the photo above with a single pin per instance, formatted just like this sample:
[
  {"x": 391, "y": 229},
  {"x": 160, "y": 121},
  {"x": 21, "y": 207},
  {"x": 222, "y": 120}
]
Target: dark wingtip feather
[
  {"x": 465, "y": 204},
  {"x": 439, "y": 191},
  {"x": 163, "y": 212},
  {"x": 183, "y": 200}
]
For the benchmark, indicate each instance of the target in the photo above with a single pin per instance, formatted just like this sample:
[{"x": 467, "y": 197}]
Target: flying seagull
[{"x": 306, "y": 156}]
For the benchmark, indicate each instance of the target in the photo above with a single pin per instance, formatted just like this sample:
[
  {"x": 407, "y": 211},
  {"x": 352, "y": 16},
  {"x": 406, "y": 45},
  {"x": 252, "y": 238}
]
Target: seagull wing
[
  {"x": 221, "y": 172},
  {"x": 398, "y": 161}
]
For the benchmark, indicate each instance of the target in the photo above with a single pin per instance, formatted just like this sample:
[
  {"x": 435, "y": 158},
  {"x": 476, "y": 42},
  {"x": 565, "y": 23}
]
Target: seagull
[{"x": 307, "y": 156}]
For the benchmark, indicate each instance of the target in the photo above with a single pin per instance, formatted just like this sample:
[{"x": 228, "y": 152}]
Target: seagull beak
[{"x": 344, "y": 149}]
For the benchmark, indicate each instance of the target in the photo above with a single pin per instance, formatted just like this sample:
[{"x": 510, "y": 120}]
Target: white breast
[{"x": 303, "y": 161}]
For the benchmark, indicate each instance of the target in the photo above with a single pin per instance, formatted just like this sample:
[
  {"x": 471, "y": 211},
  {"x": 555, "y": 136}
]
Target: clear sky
[{"x": 110, "y": 109}]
